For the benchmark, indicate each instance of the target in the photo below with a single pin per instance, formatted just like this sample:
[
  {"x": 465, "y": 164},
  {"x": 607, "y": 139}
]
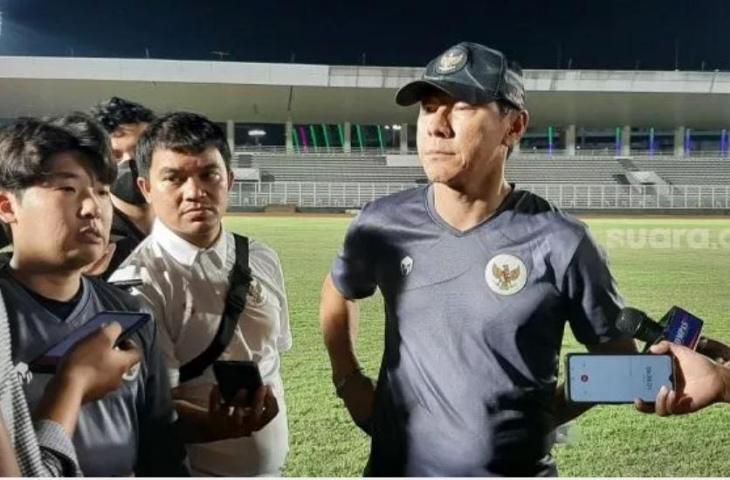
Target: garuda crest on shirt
[{"x": 505, "y": 274}]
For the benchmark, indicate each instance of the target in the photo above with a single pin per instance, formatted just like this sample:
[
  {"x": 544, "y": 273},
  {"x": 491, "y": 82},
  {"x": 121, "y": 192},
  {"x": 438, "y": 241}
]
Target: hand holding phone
[
  {"x": 95, "y": 366},
  {"x": 130, "y": 323},
  {"x": 233, "y": 376},
  {"x": 240, "y": 404},
  {"x": 700, "y": 383}
]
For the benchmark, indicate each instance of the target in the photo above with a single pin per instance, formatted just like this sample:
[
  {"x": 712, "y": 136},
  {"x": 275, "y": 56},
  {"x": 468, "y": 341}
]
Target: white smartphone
[{"x": 599, "y": 378}]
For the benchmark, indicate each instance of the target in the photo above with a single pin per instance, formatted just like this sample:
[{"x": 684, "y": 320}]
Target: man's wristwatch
[{"x": 340, "y": 386}]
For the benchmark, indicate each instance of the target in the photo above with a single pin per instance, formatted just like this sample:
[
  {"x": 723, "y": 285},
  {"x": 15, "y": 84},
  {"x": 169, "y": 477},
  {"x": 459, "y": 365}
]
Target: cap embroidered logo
[
  {"x": 451, "y": 61},
  {"x": 506, "y": 274}
]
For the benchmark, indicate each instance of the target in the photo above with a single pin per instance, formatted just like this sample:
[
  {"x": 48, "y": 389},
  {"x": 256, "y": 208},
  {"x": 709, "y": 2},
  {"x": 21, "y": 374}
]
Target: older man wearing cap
[{"x": 479, "y": 279}]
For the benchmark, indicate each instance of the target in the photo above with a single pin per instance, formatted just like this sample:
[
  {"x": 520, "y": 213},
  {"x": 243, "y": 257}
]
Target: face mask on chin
[{"x": 125, "y": 186}]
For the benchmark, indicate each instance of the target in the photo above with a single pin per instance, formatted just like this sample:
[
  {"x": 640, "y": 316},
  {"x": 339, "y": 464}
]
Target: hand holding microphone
[
  {"x": 682, "y": 328},
  {"x": 700, "y": 382}
]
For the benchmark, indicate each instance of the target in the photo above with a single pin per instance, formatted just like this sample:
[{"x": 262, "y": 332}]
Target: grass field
[{"x": 658, "y": 262}]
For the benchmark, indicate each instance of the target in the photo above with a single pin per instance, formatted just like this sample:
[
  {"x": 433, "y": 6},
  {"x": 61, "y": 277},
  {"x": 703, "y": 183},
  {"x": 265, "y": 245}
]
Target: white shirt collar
[{"x": 183, "y": 251}]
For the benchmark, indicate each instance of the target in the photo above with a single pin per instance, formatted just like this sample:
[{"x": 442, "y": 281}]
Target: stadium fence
[{"x": 336, "y": 195}]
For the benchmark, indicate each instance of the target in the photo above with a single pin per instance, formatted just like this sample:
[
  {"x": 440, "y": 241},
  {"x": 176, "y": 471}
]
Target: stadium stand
[
  {"x": 343, "y": 168},
  {"x": 688, "y": 172},
  {"x": 521, "y": 169},
  {"x": 329, "y": 168},
  {"x": 341, "y": 181}
]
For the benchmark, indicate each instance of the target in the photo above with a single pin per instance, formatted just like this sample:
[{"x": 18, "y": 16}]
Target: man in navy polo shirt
[{"x": 479, "y": 279}]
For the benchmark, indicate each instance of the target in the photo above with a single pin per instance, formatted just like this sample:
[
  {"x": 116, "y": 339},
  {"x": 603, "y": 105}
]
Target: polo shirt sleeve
[
  {"x": 154, "y": 300},
  {"x": 284, "y": 341},
  {"x": 148, "y": 290},
  {"x": 353, "y": 272},
  {"x": 594, "y": 302}
]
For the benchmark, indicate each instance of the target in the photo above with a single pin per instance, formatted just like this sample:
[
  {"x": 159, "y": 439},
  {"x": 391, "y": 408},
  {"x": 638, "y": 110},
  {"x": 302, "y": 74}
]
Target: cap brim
[{"x": 415, "y": 91}]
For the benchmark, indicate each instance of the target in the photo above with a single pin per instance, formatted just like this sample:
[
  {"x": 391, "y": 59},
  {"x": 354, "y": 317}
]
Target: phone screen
[
  {"x": 129, "y": 321},
  {"x": 617, "y": 378}
]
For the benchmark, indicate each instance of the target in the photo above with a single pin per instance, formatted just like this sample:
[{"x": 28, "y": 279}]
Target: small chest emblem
[
  {"x": 506, "y": 274},
  {"x": 256, "y": 293},
  {"x": 406, "y": 265}
]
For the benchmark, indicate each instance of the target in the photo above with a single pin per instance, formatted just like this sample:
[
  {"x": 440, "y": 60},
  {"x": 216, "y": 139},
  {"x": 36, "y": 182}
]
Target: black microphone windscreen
[{"x": 636, "y": 323}]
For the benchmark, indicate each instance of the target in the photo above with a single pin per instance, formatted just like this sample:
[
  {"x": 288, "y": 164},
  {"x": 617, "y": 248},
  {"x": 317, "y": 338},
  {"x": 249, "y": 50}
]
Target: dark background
[{"x": 589, "y": 34}]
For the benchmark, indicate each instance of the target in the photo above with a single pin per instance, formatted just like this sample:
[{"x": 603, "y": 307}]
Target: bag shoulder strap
[{"x": 238, "y": 282}]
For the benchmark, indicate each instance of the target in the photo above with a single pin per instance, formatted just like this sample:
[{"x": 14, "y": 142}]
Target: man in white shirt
[{"x": 184, "y": 167}]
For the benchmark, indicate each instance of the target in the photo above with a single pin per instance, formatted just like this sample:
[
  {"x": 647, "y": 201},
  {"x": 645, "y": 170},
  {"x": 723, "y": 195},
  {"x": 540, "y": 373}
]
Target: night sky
[{"x": 588, "y": 34}]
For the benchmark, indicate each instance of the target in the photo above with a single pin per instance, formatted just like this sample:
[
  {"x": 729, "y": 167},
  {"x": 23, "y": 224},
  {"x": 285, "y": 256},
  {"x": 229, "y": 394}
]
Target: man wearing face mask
[{"x": 124, "y": 121}]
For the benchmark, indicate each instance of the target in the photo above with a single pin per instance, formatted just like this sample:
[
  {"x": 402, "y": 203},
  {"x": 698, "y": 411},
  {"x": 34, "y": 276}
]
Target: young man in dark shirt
[{"x": 54, "y": 195}]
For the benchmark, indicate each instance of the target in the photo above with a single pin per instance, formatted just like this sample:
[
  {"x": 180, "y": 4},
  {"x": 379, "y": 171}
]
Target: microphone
[
  {"x": 681, "y": 328},
  {"x": 637, "y": 324}
]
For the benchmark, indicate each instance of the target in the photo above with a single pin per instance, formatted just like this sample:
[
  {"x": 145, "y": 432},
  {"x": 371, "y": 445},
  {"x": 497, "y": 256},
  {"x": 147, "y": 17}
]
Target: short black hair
[
  {"x": 505, "y": 108},
  {"x": 28, "y": 145},
  {"x": 182, "y": 132},
  {"x": 119, "y": 111}
]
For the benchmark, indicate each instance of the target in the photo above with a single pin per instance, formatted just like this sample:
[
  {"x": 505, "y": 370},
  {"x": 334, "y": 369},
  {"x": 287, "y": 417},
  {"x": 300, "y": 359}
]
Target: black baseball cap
[{"x": 469, "y": 72}]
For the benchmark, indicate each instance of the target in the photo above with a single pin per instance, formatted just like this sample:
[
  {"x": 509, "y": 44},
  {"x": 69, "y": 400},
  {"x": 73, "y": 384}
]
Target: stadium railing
[
  {"x": 318, "y": 151},
  {"x": 334, "y": 195},
  {"x": 524, "y": 153}
]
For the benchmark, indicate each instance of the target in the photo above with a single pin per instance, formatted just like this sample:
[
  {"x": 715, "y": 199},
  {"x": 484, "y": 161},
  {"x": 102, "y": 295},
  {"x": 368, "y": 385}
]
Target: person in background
[{"x": 124, "y": 121}]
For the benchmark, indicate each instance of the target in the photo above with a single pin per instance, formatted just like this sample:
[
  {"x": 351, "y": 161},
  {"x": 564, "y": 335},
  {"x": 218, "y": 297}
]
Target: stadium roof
[{"x": 271, "y": 93}]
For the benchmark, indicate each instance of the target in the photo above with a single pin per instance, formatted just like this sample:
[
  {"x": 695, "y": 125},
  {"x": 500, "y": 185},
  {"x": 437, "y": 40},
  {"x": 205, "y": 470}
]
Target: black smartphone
[
  {"x": 131, "y": 322},
  {"x": 233, "y": 376}
]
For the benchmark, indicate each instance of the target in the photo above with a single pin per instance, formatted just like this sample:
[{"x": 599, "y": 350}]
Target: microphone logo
[
  {"x": 683, "y": 328},
  {"x": 682, "y": 332}
]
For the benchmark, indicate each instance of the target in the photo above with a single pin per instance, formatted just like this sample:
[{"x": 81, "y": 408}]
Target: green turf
[{"x": 613, "y": 441}]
